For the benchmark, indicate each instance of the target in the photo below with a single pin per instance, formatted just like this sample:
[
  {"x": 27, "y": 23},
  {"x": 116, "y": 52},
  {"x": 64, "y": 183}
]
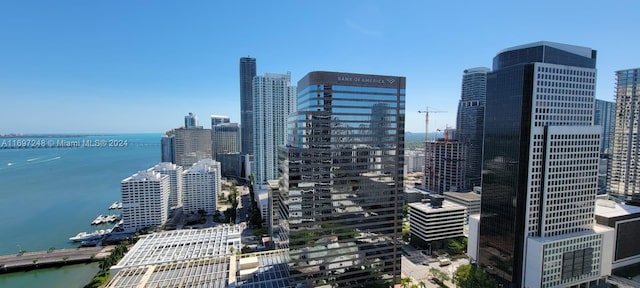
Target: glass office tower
[
  {"x": 341, "y": 180},
  {"x": 605, "y": 116},
  {"x": 247, "y": 72},
  {"x": 470, "y": 122},
  {"x": 540, "y": 169}
]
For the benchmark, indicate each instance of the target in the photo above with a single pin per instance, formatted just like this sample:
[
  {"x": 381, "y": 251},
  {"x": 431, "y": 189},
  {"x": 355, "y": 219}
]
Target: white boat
[
  {"x": 115, "y": 205},
  {"x": 111, "y": 218},
  {"x": 84, "y": 236},
  {"x": 98, "y": 220}
]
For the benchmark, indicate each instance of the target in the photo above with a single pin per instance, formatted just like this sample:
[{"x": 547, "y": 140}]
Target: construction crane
[
  {"x": 446, "y": 133},
  {"x": 426, "y": 121},
  {"x": 427, "y": 169}
]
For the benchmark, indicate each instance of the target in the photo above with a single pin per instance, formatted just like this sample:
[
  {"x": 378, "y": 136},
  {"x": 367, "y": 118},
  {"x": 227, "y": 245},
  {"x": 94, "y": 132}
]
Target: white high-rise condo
[
  {"x": 273, "y": 101},
  {"x": 145, "y": 200},
  {"x": 201, "y": 184},
  {"x": 175, "y": 179},
  {"x": 540, "y": 171}
]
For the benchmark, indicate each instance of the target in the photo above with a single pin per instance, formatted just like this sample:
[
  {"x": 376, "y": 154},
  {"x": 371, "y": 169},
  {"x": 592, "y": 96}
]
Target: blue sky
[{"x": 140, "y": 66}]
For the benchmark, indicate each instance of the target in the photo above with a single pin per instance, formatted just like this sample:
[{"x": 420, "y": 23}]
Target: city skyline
[{"x": 112, "y": 64}]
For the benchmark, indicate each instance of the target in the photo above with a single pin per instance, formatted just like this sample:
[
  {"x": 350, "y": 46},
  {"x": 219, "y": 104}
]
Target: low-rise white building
[
  {"x": 469, "y": 200},
  {"x": 145, "y": 200},
  {"x": 435, "y": 221}
]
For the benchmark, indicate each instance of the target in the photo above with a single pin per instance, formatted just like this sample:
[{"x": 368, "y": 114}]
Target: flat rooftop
[
  {"x": 446, "y": 206},
  {"x": 467, "y": 196},
  {"x": 208, "y": 272},
  {"x": 265, "y": 269},
  {"x": 612, "y": 209},
  {"x": 180, "y": 245}
]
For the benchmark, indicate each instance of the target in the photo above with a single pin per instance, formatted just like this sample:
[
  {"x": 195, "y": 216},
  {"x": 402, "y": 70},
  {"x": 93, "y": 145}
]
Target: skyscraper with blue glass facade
[
  {"x": 340, "y": 201},
  {"x": 605, "y": 116},
  {"x": 470, "y": 122}
]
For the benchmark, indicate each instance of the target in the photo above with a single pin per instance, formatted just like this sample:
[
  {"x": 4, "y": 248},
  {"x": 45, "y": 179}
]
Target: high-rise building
[
  {"x": 201, "y": 184},
  {"x": 175, "y": 180},
  {"x": 414, "y": 161},
  {"x": 219, "y": 119},
  {"x": 231, "y": 165},
  {"x": 191, "y": 121},
  {"x": 273, "y": 101},
  {"x": 605, "y": 116},
  {"x": 340, "y": 203},
  {"x": 470, "y": 122},
  {"x": 624, "y": 174},
  {"x": 215, "y": 120},
  {"x": 247, "y": 72},
  {"x": 540, "y": 165},
  {"x": 226, "y": 139},
  {"x": 190, "y": 145},
  {"x": 445, "y": 169},
  {"x": 145, "y": 200},
  {"x": 168, "y": 148}
]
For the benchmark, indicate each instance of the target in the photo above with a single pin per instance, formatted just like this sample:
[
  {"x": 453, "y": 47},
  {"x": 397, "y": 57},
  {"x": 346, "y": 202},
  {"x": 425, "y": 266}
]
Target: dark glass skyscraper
[
  {"x": 247, "y": 72},
  {"x": 470, "y": 122},
  {"x": 540, "y": 165},
  {"x": 341, "y": 180}
]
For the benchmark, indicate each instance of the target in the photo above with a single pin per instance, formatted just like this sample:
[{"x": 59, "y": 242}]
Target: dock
[{"x": 52, "y": 258}]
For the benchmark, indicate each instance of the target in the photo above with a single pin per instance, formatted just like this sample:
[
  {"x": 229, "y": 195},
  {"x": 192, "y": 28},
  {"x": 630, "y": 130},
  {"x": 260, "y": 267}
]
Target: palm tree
[
  {"x": 421, "y": 284},
  {"x": 405, "y": 281}
]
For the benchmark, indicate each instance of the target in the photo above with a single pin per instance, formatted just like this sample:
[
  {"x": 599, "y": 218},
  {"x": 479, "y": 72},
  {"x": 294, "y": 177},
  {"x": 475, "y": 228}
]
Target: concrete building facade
[
  {"x": 624, "y": 173},
  {"x": 445, "y": 166},
  {"x": 175, "y": 181},
  {"x": 145, "y": 200},
  {"x": 273, "y": 100},
  {"x": 201, "y": 186}
]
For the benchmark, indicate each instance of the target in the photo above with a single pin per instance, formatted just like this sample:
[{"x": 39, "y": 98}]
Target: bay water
[{"x": 50, "y": 194}]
